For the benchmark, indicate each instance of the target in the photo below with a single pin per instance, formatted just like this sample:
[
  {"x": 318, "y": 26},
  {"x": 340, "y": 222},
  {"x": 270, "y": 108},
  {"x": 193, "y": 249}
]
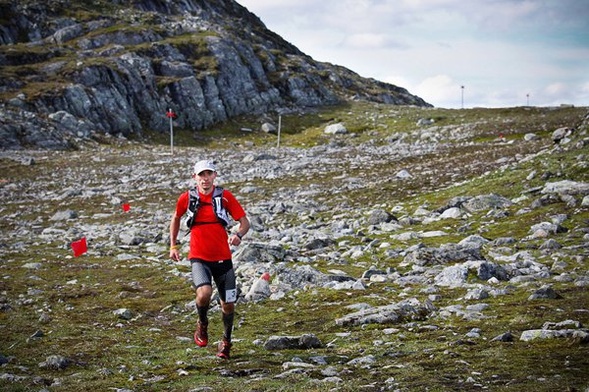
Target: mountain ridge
[{"x": 81, "y": 69}]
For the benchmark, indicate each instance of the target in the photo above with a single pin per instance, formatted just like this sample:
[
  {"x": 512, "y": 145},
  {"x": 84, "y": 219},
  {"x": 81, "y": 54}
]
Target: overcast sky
[{"x": 504, "y": 52}]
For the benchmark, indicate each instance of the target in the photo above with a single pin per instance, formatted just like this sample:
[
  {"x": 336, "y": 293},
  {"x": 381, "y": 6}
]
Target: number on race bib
[{"x": 230, "y": 295}]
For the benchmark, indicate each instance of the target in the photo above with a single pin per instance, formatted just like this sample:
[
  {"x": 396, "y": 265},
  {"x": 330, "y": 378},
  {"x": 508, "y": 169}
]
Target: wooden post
[{"x": 279, "y": 126}]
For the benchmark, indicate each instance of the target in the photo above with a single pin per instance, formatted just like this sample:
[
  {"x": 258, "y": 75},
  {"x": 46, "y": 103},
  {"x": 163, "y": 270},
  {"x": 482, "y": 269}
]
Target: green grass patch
[{"x": 67, "y": 306}]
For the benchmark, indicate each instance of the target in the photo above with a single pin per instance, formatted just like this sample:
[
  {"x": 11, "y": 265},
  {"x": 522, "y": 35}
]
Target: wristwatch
[{"x": 239, "y": 235}]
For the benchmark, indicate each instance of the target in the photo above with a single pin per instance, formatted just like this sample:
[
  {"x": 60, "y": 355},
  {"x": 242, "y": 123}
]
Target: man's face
[{"x": 205, "y": 180}]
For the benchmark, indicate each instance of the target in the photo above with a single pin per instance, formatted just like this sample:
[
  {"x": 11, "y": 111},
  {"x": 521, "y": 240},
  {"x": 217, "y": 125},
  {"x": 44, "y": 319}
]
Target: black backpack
[{"x": 194, "y": 204}]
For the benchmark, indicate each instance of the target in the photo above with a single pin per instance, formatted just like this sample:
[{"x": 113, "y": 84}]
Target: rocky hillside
[
  {"x": 79, "y": 69},
  {"x": 413, "y": 249}
]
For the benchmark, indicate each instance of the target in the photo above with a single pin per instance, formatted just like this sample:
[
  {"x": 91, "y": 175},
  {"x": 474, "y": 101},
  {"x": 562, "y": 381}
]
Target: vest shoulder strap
[
  {"x": 194, "y": 202},
  {"x": 218, "y": 191}
]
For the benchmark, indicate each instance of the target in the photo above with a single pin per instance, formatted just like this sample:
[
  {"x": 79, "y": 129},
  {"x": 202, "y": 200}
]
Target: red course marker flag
[
  {"x": 79, "y": 247},
  {"x": 126, "y": 207}
]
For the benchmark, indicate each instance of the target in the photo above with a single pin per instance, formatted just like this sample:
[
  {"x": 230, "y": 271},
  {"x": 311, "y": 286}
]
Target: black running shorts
[{"x": 204, "y": 272}]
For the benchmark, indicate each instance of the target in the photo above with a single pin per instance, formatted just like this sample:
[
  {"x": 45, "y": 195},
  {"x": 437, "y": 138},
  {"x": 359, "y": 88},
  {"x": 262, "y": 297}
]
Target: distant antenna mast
[{"x": 462, "y": 88}]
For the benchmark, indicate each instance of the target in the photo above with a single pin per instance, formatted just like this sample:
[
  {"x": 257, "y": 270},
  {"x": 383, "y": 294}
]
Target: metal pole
[
  {"x": 171, "y": 131},
  {"x": 462, "y": 87},
  {"x": 279, "y": 126}
]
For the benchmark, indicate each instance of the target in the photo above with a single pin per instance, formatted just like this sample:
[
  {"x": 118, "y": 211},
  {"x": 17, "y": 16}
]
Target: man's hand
[
  {"x": 174, "y": 254},
  {"x": 234, "y": 240}
]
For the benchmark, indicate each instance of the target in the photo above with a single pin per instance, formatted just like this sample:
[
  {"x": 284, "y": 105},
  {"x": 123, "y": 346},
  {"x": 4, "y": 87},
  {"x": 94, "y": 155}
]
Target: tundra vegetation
[{"x": 60, "y": 320}]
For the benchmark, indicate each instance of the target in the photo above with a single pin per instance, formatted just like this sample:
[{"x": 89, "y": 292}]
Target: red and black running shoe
[
  {"x": 224, "y": 349},
  {"x": 201, "y": 336}
]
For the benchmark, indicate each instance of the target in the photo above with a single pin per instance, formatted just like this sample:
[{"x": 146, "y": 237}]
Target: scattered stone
[
  {"x": 504, "y": 337},
  {"x": 452, "y": 213},
  {"x": 335, "y": 129},
  {"x": 410, "y": 309},
  {"x": 379, "y": 216},
  {"x": 367, "y": 360},
  {"x": 403, "y": 175},
  {"x": 561, "y": 135},
  {"x": 56, "y": 362},
  {"x": 550, "y": 244},
  {"x": 476, "y": 294},
  {"x": 486, "y": 202},
  {"x": 260, "y": 290},
  {"x": 124, "y": 314},
  {"x": 534, "y": 334},
  {"x": 269, "y": 128},
  {"x": 474, "y": 333},
  {"x": 424, "y": 122},
  {"x": 563, "y": 324},
  {"x": 64, "y": 215},
  {"x": 566, "y": 187},
  {"x": 452, "y": 276},
  {"x": 303, "y": 342},
  {"x": 545, "y": 292},
  {"x": 548, "y": 227},
  {"x": 34, "y": 266}
]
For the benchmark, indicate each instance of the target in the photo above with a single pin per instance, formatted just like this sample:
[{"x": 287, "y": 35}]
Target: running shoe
[
  {"x": 201, "y": 336},
  {"x": 224, "y": 348}
]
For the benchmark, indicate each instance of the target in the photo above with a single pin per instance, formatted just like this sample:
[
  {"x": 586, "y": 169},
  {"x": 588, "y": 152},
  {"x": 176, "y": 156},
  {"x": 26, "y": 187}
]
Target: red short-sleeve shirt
[{"x": 208, "y": 238}]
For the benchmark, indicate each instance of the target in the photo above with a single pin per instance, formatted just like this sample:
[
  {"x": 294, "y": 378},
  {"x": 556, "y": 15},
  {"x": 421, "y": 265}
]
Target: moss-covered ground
[{"x": 153, "y": 351}]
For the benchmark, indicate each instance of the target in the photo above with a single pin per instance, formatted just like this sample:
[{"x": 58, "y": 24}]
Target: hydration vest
[{"x": 194, "y": 204}]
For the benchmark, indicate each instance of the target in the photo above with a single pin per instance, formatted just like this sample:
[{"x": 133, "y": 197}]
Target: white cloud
[
  {"x": 369, "y": 41},
  {"x": 440, "y": 89},
  {"x": 555, "y": 89},
  {"x": 499, "y": 50},
  {"x": 563, "y": 93},
  {"x": 398, "y": 80}
]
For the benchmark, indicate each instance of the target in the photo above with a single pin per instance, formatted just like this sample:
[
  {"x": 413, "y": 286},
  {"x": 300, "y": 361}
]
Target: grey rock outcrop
[
  {"x": 206, "y": 61},
  {"x": 403, "y": 311},
  {"x": 303, "y": 342}
]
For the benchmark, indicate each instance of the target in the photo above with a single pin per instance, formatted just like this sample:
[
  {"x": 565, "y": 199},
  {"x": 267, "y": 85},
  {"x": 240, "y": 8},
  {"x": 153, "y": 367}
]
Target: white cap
[{"x": 203, "y": 165}]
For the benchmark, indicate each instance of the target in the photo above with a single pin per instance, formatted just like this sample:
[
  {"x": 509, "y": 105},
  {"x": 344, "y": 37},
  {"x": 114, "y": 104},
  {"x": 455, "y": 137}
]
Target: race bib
[{"x": 230, "y": 296}]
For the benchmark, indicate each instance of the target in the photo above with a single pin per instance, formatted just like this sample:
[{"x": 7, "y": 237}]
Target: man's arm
[
  {"x": 244, "y": 226},
  {"x": 174, "y": 229}
]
